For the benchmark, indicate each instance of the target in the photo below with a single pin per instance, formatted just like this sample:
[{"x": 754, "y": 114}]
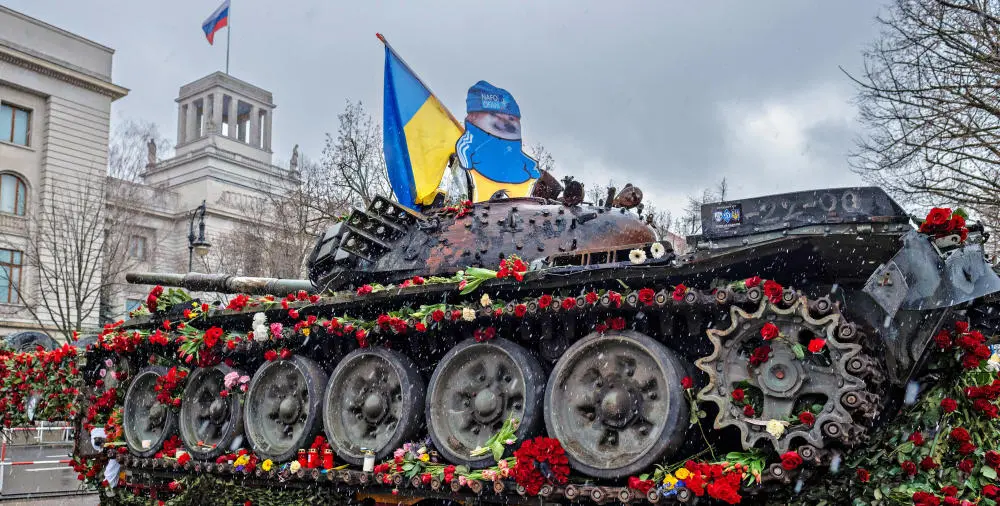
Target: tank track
[{"x": 545, "y": 335}]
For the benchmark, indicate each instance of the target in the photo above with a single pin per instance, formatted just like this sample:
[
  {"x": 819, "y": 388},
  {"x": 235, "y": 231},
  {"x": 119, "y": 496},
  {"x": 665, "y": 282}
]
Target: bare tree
[
  {"x": 280, "y": 228},
  {"x": 545, "y": 160},
  {"x": 128, "y": 149},
  {"x": 689, "y": 223},
  {"x": 928, "y": 98},
  {"x": 354, "y": 159}
]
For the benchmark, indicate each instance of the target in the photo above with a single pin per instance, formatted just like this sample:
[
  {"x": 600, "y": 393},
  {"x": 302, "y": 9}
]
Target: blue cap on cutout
[{"x": 485, "y": 97}]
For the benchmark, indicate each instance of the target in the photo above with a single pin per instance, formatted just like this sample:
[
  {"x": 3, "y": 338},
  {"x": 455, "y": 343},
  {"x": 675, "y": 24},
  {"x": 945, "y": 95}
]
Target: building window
[
  {"x": 137, "y": 248},
  {"x": 132, "y": 305},
  {"x": 15, "y": 124},
  {"x": 10, "y": 276},
  {"x": 13, "y": 194}
]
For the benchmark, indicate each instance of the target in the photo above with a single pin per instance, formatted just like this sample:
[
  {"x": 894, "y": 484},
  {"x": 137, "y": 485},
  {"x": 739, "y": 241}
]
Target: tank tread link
[{"x": 571, "y": 359}]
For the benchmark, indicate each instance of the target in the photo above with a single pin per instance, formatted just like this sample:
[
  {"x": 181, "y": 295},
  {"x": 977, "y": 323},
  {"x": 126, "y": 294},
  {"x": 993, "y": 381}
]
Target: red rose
[
  {"x": 966, "y": 466},
  {"x": 925, "y": 499},
  {"x": 961, "y": 327},
  {"x": 943, "y": 339},
  {"x": 950, "y": 490},
  {"x": 966, "y": 448},
  {"x": 437, "y": 315},
  {"x": 970, "y": 361},
  {"x": 647, "y": 296},
  {"x": 773, "y": 291},
  {"x": 928, "y": 463},
  {"x": 601, "y": 328},
  {"x": 642, "y": 486},
  {"x": 817, "y": 345},
  {"x": 993, "y": 459},
  {"x": 917, "y": 438},
  {"x": 938, "y": 216},
  {"x": 679, "y": 292},
  {"x": 807, "y": 418},
  {"x": 687, "y": 382},
  {"x": 769, "y": 331},
  {"x": 184, "y": 458},
  {"x": 617, "y": 323},
  {"x": 748, "y": 410},
  {"x": 751, "y": 281},
  {"x": 426, "y": 478},
  {"x": 591, "y": 297},
  {"x": 949, "y": 405},
  {"x": 790, "y": 461},
  {"x": 545, "y": 301},
  {"x": 760, "y": 355},
  {"x": 286, "y": 354},
  {"x": 270, "y": 355},
  {"x": 951, "y": 501},
  {"x": 959, "y": 434},
  {"x": 738, "y": 395},
  {"x": 863, "y": 475},
  {"x": 569, "y": 303},
  {"x": 909, "y": 467},
  {"x": 991, "y": 491}
]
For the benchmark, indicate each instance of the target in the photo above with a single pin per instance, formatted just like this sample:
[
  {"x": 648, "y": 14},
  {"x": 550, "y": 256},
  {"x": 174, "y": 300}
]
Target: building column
[
  {"x": 217, "y": 113},
  {"x": 192, "y": 122},
  {"x": 181, "y": 123},
  {"x": 234, "y": 125},
  {"x": 267, "y": 131},
  {"x": 254, "y": 127}
]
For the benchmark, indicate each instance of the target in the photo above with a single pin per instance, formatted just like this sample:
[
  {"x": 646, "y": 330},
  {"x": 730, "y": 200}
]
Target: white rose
[
  {"x": 776, "y": 428},
  {"x": 261, "y": 333},
  {"x": 468, "y": 314}
]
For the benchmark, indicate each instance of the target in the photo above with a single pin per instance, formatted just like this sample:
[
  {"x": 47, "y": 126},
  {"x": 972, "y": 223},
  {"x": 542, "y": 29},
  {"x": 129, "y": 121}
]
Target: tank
[{"x": 627, "y": 352}]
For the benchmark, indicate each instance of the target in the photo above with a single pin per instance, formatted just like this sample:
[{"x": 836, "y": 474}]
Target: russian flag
[{"x": 216, "y": 21}]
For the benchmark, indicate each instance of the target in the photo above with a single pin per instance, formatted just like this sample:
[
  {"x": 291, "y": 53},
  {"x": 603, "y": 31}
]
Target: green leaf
[
  {"x": 988, "y": 472},
  {"x": 906, "y": 447},
  {"x": 800, "y": 352},
  {"x": 878, "y": 494},
  {"x": 497, "y": 448},
  {"x": 407, "y": 466},
  {"x": 472, "y": 285},
  {"x": 644, "y": 477}
]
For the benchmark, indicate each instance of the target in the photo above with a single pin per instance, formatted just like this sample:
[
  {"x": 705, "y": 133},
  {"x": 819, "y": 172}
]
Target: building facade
[{"x": 56, "y": 93}]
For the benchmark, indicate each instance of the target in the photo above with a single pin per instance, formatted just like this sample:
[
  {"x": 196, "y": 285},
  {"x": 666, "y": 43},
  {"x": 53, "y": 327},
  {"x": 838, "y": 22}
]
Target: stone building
[
  {"x": 55, "y": 108},
  {"x": 55, "y": 114}
]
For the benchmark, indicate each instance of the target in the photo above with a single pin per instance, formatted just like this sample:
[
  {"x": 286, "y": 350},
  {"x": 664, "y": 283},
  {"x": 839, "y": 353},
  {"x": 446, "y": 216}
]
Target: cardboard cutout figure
[{"x": 490, "y": 148}]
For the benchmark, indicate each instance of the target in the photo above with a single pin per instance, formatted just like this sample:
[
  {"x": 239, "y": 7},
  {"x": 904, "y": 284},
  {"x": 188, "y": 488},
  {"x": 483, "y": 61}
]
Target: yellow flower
[
  {"x": 266, "y": 465},
  {"x": 295, "y": 466},
  {"x": 425, "y": 458},
  {"x": 305, "y": 331},
  {"x": 682, "y": 473},
  {"x": 670, "y": 481},
  {"x": 241, "y": 460},
  {"x": 776, "y": 428}
]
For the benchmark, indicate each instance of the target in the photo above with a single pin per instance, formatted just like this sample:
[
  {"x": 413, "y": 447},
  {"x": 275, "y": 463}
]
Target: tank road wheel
[
  {"x": 829, "y": 383},
  {"x": 616, "y": 403},
  {"x": 210, "y": 423},
  {"x": 374, "y": 400},
  {"x": 282, "y": 408},
  {"x": 147, "y": 423},
  {"x": 474, "y": 389}
]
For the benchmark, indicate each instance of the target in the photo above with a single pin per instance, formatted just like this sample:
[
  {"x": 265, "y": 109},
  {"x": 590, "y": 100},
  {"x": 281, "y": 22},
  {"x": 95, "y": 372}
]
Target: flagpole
[{"x": 229, "y": 32}]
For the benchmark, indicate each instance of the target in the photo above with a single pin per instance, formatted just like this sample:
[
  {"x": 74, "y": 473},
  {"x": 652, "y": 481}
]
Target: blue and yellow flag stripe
[{"x": 419, "y": 134}]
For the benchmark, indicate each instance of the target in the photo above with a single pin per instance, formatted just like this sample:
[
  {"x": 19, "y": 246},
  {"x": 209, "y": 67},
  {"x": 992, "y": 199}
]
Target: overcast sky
[{"x": 669, "y": 95}]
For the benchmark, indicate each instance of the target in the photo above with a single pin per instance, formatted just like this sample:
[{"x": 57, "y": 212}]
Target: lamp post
[{"x": 197, "y": 244}]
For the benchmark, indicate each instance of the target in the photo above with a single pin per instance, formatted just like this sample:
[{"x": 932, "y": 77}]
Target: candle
[
  {"x": 313, "y": 459},
  {"x": 327, "y": 458},
  {"x": 302, "y": 458},
  {"x": 369, "y": 464}
]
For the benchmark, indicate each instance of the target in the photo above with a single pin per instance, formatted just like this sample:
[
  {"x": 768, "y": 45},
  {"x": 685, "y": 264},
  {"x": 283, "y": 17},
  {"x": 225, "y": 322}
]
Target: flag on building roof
[
  {"x": 217, "y": 21},
  {"x": 419, "y": 134}
]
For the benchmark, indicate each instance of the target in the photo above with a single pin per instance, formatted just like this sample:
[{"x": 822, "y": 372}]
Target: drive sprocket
[{"x": 830, "y": 384}]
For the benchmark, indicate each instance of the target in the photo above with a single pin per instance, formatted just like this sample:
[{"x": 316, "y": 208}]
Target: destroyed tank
[{"x": 595, "y": 346}]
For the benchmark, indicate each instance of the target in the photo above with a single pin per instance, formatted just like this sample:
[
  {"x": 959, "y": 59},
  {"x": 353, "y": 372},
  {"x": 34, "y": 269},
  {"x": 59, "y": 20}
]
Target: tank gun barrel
[{"x": 222, "y": 283}]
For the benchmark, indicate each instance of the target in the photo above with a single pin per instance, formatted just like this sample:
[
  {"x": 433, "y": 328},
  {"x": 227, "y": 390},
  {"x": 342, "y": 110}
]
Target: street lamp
[{"x": 199, "y": 244}]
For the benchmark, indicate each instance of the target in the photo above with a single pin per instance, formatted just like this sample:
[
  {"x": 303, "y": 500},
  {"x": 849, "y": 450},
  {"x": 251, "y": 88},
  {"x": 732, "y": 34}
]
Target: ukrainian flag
[{"x": 419, "y": 134}]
